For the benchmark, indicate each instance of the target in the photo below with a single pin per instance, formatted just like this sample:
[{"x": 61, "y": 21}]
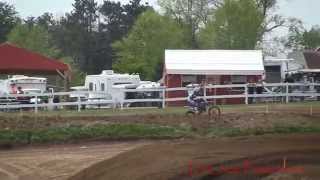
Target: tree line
[{"x": 132, "y": 37}]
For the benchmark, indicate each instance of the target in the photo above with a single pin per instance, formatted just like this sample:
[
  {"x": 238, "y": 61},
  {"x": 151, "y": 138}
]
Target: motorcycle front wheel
[{"x": 190, "y": 114}]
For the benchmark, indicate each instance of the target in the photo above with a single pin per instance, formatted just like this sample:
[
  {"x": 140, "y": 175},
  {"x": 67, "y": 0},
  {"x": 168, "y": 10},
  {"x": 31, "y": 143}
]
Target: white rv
[{"x": 109, "y": 85}]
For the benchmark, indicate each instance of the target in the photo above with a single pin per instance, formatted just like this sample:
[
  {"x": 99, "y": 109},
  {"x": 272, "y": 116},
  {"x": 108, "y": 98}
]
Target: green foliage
[
  {"x": 300, "y": 39},
  {"x": 74, "y": 133},
  {"x": 8, "y": 19},
  {"x": 311, "y": 39},
  {"x": 233, "y": 132},
  {"x": 193, "y": 13},
  {"x": 87, "y": 37},
  {"x": 34, "y": 38},
  {"x": 143, "y": 50},
  {"x": 77, "y": 76},
  {"x": 236, "y": 25}
]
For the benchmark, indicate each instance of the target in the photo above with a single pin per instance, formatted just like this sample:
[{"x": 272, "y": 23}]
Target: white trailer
[{"x": 110, "y": 86}]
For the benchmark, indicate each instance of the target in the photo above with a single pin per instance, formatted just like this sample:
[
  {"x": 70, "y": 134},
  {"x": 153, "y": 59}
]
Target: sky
[
  {"x": 57, "y": 7},
  {"x": 306, "y": 10}
]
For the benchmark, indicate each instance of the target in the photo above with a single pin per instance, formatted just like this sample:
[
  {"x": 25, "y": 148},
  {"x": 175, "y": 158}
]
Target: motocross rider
[{"x": 192, "y": 98}]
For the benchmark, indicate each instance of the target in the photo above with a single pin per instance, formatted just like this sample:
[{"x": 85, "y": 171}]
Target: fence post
[
  {"x": 311, "y": 110},
  {"x": 121, "y": 105},
  {"x": 164, "y": 97},
  {"x": 287, "y": 93},
  {"x": 7, "y": 103},
  {"x": 79, "y": 103},
  {"x": 246, "y": 94},
  {"x": 36, "y": 104},
  {"x": 205, "y": 92},
  {"x": 215, "y": 94}
]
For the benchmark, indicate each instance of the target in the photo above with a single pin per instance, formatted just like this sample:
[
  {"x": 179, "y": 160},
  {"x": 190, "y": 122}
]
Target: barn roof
[
  {"x": 214, "y": 62},
  {"x": 312, "y": 59},
  {"x": 18, "y": 60}
]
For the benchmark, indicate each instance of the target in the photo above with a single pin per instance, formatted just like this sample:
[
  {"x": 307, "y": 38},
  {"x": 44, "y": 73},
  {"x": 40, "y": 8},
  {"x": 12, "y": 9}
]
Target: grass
[
  {"x": 135, "y": 131},
  {"x": 233, "y": 132},
  {"x": 97, "y": 132}
]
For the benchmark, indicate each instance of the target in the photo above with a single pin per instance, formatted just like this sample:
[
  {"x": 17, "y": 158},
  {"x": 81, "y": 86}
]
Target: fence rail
[{"x": 286, "y": 91}]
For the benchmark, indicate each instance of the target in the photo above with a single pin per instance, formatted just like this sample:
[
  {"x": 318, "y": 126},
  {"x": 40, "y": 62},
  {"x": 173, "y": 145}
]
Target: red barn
[
  {"x": 183, "y": 67},
  {"x": 15, "y": 60}
]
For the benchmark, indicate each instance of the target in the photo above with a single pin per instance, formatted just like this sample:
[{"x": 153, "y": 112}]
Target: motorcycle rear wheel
[{"x": 214, "y": 112}]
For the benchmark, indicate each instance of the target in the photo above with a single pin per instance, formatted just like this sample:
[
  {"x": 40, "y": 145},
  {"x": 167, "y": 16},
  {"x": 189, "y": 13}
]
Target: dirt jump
[{"x": 266, "y": 157}]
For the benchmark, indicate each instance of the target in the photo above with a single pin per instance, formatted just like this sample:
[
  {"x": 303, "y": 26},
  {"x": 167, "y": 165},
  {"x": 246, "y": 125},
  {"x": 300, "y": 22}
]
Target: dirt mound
[{"x": 215, "y": 159}]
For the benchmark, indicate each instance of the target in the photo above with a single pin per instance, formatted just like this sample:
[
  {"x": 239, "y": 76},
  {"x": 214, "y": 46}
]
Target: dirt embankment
[
  {"x": 57, "y": 162},
  {"x": 300, "y": 154}
]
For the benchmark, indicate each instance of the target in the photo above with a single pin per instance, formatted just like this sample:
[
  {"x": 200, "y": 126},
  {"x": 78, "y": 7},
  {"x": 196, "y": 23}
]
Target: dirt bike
[{"x": 214, "y": 111}]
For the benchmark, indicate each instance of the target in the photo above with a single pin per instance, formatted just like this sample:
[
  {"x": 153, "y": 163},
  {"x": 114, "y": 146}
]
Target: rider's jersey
[{"x": 192, "y": 97}]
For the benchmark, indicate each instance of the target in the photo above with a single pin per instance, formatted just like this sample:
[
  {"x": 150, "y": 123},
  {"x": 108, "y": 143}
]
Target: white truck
[{"x": 28, "y": 85}]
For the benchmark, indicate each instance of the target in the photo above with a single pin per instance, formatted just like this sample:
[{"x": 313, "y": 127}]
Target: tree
[
  {"x": 8, "y": 19},
  {"x": 301, "y": 39},
  {"x": 271, "y": 20},
  {"x": 143, "y": 50},
  {"x": 46, "y": 20},
  {"x": 311, "y": 39},
  {"x": 236, "y": 25},
  {"x": 86, "y": 34},
  {"x": 75, "y": 33},
  {"x": 35, "y": 38},
  {"x": 117, "y": 21},
  {"x": 194, "y": 13}
]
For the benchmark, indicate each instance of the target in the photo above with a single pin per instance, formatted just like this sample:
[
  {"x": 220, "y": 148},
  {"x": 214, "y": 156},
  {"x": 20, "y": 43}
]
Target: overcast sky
[{"x": 307, "y": 10}]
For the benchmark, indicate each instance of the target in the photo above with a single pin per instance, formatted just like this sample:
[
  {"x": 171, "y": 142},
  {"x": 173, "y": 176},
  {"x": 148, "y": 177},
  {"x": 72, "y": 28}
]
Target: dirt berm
[{"x": 265, "y": 157}]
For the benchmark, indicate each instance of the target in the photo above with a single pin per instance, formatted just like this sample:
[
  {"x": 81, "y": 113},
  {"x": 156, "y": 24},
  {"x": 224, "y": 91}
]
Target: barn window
[
  {"x": 102, "y": 87},
  {"x": 188, "y": 79},
  {"x": 213, "y": 79},
  {"x": 90, "y": 86},
  {"x": 238, "y": 79}
]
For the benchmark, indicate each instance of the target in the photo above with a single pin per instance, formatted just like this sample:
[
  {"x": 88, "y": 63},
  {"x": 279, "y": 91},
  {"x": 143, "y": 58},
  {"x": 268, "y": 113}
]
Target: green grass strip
[
  {"x": 74, "y": 133},
  {"x": 233, "y": 132}
]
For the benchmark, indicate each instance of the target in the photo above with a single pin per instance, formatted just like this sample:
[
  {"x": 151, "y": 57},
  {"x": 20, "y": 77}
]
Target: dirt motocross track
[
  {"x": 168, "y": 159},
  {"x": 210, "y": 159},
  {"x": 57, "y": 162}
]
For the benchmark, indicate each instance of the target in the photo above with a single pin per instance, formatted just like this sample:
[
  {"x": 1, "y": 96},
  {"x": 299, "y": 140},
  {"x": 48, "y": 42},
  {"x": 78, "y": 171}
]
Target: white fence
[{"x": 284, "y": 92}]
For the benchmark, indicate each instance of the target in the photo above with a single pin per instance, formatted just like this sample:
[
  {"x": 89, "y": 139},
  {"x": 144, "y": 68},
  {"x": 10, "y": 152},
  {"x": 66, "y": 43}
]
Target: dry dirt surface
[
  {"x": 271, "y": 157},
  {"x": 57, "y": 162}
]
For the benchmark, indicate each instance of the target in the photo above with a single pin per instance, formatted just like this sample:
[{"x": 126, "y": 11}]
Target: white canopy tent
[{"x": 214, "y": 62}]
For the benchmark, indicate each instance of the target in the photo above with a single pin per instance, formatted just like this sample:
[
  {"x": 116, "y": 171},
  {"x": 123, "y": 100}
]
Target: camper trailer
[{"x": 109, "y": 85}]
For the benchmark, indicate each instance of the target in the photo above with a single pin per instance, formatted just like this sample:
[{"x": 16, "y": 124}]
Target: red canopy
[{"x": 15, "y": 60}]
